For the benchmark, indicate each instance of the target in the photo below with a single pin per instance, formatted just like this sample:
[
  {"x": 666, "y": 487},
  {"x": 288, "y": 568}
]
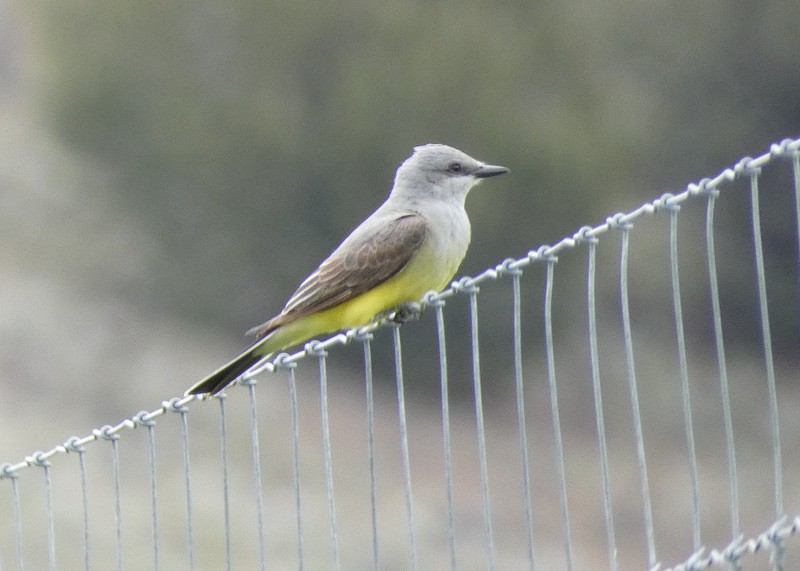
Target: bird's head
[{"x": 441, "y": 172}]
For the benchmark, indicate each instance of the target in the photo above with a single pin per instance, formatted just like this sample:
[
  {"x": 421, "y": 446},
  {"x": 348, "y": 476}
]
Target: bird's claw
[{"x": 405, "y": 312}]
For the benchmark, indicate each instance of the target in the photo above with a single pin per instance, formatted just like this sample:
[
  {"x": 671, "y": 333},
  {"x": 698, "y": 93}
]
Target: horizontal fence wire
[{"x": 534, "y": 516}]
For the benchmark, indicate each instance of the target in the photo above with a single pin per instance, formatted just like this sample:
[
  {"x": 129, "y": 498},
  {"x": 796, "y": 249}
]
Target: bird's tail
[{"x": 225, "y": 375}]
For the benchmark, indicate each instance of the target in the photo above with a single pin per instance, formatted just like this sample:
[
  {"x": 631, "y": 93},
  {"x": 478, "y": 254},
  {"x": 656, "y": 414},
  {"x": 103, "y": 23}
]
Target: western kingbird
[{"x": 413, "y": 243}]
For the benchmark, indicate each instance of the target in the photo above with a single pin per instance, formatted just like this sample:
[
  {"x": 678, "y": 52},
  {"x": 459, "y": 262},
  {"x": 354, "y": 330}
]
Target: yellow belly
[{"x": 423, "y": 273}]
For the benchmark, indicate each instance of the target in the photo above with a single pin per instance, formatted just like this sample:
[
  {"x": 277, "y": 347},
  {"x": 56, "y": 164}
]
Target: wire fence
[{"x": 353, "y": 478}]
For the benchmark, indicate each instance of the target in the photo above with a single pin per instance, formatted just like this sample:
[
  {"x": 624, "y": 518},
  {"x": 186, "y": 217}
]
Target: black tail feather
[{"x": 222, "y": 377}]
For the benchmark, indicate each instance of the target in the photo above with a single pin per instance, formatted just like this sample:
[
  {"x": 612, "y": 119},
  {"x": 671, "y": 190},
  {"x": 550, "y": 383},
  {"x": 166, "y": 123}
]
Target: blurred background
[{"x": 169, "y": 172}]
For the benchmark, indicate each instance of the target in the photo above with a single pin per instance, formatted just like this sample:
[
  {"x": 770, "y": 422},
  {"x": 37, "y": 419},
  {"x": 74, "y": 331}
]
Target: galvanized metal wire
[{"x": 644, "y": 482}]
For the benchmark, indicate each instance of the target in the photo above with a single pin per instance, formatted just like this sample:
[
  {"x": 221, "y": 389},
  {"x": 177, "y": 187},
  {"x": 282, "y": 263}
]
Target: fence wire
[{"x": 470, "y": 526}]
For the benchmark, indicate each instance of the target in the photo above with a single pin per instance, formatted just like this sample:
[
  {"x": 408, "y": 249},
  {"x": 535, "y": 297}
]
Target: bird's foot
[{"x": 405, "y": 312}]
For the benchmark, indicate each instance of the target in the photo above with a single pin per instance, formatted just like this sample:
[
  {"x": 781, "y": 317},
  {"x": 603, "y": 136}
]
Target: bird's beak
[{"x": 485, "y": 171}]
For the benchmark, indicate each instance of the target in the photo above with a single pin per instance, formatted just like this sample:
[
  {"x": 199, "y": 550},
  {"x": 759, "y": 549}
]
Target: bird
[{"x": 413, "y": 243}]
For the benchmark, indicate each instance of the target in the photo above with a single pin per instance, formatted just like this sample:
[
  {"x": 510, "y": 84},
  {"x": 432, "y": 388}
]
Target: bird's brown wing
[{"x": 351, "y": 271}]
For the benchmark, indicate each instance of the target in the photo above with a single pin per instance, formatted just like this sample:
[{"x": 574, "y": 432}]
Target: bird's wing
[{"x": 358, "y": 265}]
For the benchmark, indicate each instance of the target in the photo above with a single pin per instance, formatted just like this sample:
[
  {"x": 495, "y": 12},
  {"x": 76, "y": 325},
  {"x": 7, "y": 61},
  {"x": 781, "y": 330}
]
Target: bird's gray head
[{"x": 440, "y": 172}]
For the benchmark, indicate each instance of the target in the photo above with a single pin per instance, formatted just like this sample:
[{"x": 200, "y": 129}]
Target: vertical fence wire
[
  {"x": 113, "y": 438},
  {"x": 187, "y": 480},
  {"x": 796, "y": 170},
  {"x": 295, "y": 422},
  {"x": 401, "y": 413},
  {"x": 44, "y": 464},
  {"x": 484, "y": 464},
  {"x": 370, "y": 397},
  {"x": 727, "y": 414},
  {"x": 554, "y": 413},
  {"x": 226, "y": 495},
  {"x": 521, "y": 424},
  {"x": 149, "y": 424},
  {"x": 446, "y": 444},
  {"x": 257, "y": 477},
  {"x": 684, "y": 373},
  {"x": 72, "y": 445},
  {"x": 326, "y": 443},
  {"x": 770, "y": 366},
  {"x": 767, "y": 341},
  {"x": 598, "y": 406},
  {"x": 85, "y": 503},
  {"x": 644, "y": 483},
  {"x": 15, "y": 513}
]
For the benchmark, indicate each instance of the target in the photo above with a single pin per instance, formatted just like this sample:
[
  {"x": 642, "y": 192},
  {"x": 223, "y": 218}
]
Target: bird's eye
[{"x": 454, "y": 167}]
